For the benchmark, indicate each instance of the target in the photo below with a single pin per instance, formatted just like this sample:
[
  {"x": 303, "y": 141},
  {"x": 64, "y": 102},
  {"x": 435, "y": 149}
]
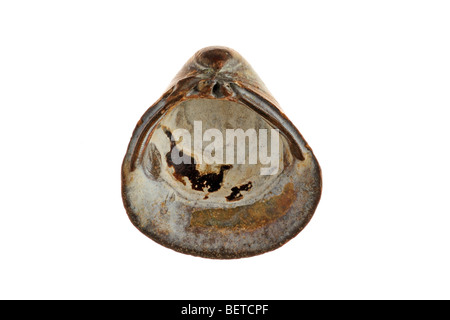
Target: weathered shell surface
[{"x": 217, "y": 210}]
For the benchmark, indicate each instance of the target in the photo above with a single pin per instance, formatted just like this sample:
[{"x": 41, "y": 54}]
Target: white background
[{"x": 367, "y": 83}]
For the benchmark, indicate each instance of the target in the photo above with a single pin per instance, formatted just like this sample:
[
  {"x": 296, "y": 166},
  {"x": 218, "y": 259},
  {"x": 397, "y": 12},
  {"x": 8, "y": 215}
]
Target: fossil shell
[{"x": 182, "y": 193}]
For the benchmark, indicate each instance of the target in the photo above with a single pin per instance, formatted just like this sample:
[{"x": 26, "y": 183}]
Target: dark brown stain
[
  {"x": 236, "y": 194},
  {"x": 188, "y": 168}
]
